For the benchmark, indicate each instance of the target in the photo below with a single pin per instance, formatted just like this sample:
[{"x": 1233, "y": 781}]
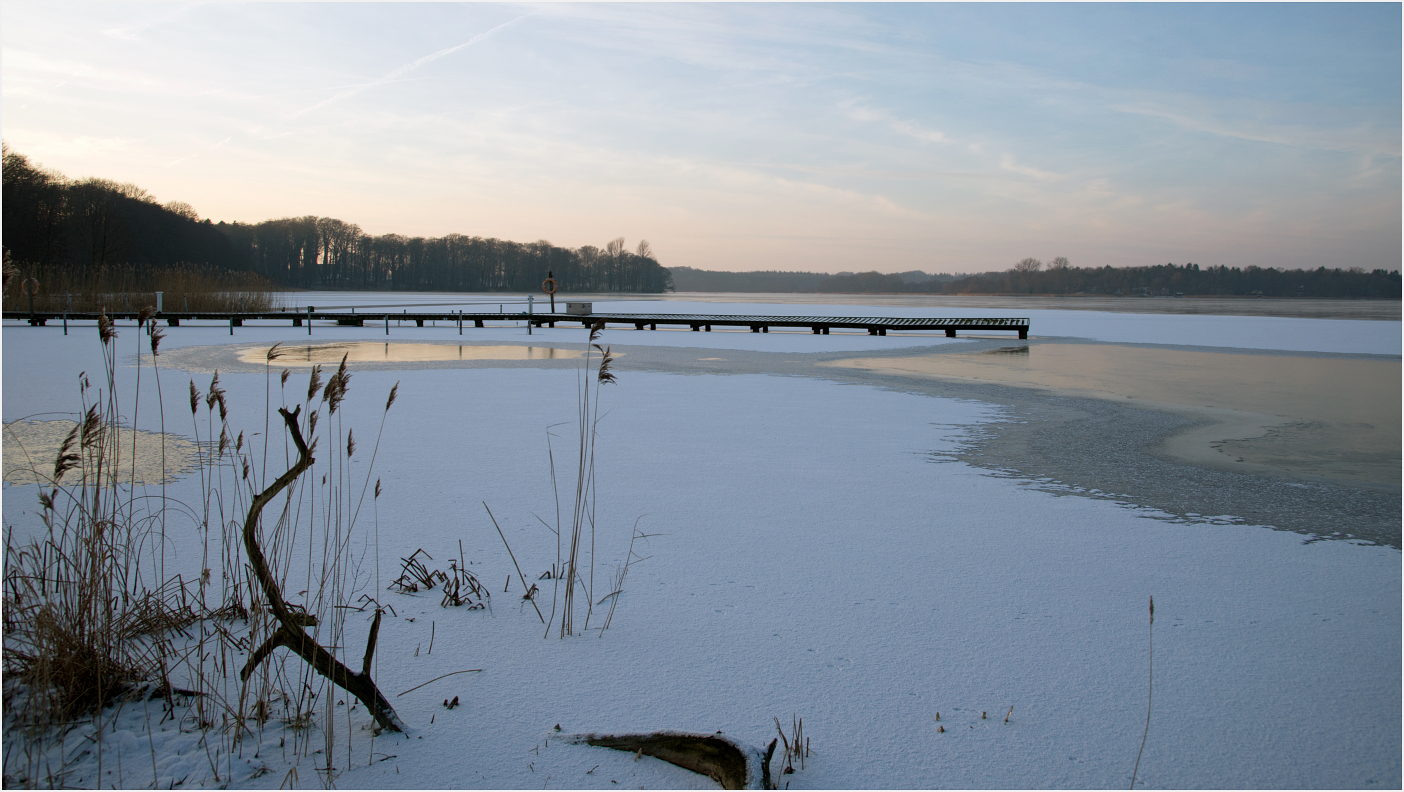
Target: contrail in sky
[
  {"x": 409, "y": 67},
  {"x": 191, "y": 156}
]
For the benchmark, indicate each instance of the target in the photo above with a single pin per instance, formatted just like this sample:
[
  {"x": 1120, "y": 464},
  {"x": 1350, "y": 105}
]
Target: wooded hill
[{"x": 51, "y": 221}]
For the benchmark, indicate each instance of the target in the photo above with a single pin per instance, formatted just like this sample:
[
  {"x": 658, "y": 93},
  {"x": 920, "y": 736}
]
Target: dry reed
[
  {"x": 583, "y": 511},
  {"x": 1150, "y": 690},
  {"x": 126, "y": 288},
  {"x": 90, "y": 614}
]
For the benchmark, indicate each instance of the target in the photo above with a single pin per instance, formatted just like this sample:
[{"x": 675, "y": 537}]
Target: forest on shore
[
  {"x": 84, "y": 233},
  {"x": 1030, "y": 277},
  {"x": 54, "y": 223}
]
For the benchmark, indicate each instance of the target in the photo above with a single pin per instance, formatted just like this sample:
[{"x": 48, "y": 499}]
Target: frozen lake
[{"x": 862, "y": 546}]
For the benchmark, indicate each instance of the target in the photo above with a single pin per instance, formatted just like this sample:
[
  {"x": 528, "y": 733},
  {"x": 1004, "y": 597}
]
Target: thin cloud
[
  {"x": 400, "y": 72},
  {"x": 1007, "y": 163},
  {"x": 133, "y": 32},
  {"x": 192, "y": 156},
  {"x": 1332, "y": 139},
  {"x": 901, "y": 126}
]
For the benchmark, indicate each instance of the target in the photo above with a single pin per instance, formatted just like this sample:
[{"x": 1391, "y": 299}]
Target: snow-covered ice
[
  {"x": 1338, "y": 336},
  {"x": 818, "y": 555}
]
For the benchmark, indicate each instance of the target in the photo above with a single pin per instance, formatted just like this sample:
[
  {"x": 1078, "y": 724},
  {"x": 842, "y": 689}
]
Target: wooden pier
[{"x": 819, "y": 325}]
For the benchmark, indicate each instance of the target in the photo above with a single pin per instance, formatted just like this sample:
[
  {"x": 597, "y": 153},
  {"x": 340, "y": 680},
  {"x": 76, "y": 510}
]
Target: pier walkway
[{"x": 819, "y": 325}]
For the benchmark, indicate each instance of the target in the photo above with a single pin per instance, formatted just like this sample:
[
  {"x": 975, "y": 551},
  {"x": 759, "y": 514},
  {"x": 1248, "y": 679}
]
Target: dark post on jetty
[{"x": 819, "y": 325}]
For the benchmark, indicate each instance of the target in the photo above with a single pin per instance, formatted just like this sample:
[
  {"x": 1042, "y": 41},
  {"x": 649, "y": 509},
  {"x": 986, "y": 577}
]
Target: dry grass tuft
[
  {"x": 69, "y": 663},
  {"x": 464, "y": 588},
  {"x": 414, "y": 574},
  {"x": 795, "y": 745},
  {"x": 460, "y": 586}
]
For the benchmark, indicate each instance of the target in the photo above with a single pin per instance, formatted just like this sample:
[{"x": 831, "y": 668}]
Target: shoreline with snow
[{"x": 862, "y": 550}]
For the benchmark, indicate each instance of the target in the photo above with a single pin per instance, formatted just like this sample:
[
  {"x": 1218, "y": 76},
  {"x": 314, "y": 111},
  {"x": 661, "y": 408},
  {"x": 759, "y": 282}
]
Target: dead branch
[{"x": 290, "y": 633}]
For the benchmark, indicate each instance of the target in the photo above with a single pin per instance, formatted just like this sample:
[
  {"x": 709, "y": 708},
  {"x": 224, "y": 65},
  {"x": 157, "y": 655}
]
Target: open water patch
[{"x": 1311, "y": 417}]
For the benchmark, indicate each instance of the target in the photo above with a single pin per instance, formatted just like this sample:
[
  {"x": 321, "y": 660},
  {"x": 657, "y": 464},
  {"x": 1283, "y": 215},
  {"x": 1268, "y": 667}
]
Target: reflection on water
[
  {"x": 1342, "y": 414},
  {"x": 390, "y": 352},
  {"x": 1307, "y": 388}
]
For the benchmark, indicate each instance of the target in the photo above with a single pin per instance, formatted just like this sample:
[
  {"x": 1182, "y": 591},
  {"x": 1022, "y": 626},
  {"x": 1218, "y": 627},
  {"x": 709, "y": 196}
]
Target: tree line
[
  {"x": 326, "y": 253},
  {"x": 688, "y": 279},
  {"x": 89, "y": 226},
  {"x": 51, "y": 221},
  {"x": 1031, "y": 276}
]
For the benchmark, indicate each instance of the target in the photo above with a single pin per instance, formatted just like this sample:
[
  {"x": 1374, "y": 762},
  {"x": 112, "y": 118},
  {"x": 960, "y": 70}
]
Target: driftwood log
[
  {"x": 290, "y": 633},
  {"x": 728, "y": 762}
]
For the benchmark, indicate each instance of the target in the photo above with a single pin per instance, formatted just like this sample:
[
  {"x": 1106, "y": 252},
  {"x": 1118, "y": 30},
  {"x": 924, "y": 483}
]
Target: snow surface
[{"x": 818, "y": 556}]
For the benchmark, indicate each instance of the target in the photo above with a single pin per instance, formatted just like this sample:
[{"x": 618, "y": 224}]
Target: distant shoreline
[
  {"x": 1388, "y": 310},
  {"x": 1293, "y": 307}
]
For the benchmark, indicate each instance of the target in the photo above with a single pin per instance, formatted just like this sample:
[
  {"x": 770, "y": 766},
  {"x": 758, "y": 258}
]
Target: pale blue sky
[{"x": 746, "y": 136}]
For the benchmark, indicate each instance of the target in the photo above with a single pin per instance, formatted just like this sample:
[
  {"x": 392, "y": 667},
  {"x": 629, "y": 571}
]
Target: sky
[{"x": 843, "y": 137}]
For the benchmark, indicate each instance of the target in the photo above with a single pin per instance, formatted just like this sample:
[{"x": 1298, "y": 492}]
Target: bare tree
[
  {"x": 645, "y": 250},
  {"x": 1028, "y": 265},
  {"x": 129, "y": 190},
  {"x": 95, "y": 212},
  {"x": 183, "y": 209},
  {"x": 1059, "y": 263}
]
